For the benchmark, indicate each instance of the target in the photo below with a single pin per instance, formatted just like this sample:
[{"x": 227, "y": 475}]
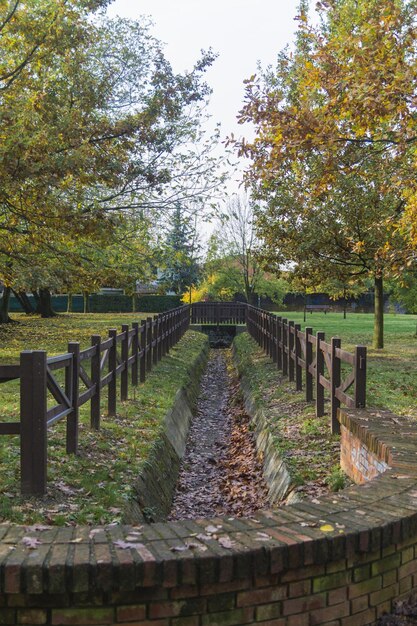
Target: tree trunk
[
  {"x": 24, "y": 302},
  {"x": 37, "y": 301},
  {"x": 378, "y": 340},
  {"x": 45, "y": 303},
  {"x": 86, "y": 302},
  {"x": 69, "y": 303},
  {"x": 4, "y": 306},
  {"x": 344, "y": 303}
]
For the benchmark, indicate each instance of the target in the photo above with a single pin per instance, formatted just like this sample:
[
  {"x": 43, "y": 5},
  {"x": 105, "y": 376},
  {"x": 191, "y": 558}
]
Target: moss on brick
[
  {"x": 331, "y": 581},
  {"x": 384, "y": 565}
]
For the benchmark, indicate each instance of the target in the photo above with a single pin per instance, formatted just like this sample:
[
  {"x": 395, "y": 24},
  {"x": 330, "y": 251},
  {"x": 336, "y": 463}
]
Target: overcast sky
[{"x": 241, "y": 32}]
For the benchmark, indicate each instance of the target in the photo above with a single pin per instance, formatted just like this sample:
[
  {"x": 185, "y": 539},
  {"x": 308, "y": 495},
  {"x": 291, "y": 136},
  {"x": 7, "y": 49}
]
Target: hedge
[
  {"x": 157, "y": 304},
  {"x": 115, "y": 303},
  {"x": 105, "y": 303}
]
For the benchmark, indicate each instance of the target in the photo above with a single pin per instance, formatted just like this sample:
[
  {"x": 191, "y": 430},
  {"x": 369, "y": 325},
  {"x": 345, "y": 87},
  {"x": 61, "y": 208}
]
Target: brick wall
[
  {"x": 351, "y": 591},
  {"x": 337, "y": 561},
  {"x": 357, "y": 460}
]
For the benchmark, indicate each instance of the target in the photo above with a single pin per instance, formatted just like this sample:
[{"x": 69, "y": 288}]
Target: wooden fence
[
  {"x": 307, "y": 359},
  {"x": 218, "y": 313},
  {"x": 84, "y": 374}
]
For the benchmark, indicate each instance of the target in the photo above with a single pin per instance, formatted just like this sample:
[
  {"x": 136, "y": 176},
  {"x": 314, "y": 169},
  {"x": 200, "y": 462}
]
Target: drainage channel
[{"x": 220, "y": 473}]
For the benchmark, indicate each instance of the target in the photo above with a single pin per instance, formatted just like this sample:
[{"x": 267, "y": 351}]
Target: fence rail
[
  {"x": 309, "y": 360},
  {"x": 46, "y": 397}
]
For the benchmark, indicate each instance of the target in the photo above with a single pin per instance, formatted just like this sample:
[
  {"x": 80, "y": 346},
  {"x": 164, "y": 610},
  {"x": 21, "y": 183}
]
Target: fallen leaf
[
  {"x": 31, "y": 542},
  {"x": 178, "y": 548},
  {"x": 327, "y": 528},
  {"x": 226, "y": 542},
  {"x": 212, "y": 529},
  {"x": 133, "y": 536},
  {"x": 94, "y": 532}
]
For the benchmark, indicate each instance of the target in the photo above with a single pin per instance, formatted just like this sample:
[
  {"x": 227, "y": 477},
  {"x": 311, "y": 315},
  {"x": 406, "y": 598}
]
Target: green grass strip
[{"x": 93, "y": 487}]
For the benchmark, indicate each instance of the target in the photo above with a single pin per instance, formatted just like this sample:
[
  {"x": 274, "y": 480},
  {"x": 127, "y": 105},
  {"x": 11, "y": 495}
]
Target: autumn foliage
[{"x": 333, "y": 163}]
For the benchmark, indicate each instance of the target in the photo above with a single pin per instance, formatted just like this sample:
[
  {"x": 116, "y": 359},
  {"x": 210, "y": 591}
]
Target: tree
[
  {"x": 93, "y": 122},
  {"x": 231, "y": 266},
  {"x": 237, "y": 241},
  {"x": 181, "y": 269},
  {"x": 404, "y": 292},
  {"x": 333, "y": 158}
]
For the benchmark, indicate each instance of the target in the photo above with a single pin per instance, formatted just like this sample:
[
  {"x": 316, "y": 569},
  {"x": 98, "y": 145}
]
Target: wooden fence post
[
  {"x": 360, "y": 377},
  {"x": 95, "y": 404},
  {"x": 148, "y": 344},
  {"x": 298, "y": 370},
  {"x": 124, "y": 376},
  {"x": 160, "y": 335},
  {"x": 135, "y": 351},
  {"x": 142, "y": 343},
  {"x": 274, "y": 331},
  {"x": 172, "y": 331},
  {"x": 164, "y": 334},
  {"x": 264, "y": 332},
  {"x": 72, "y": 418},
  {"x": 270, "y": 336},
  {"x": 112, "y": 387},
  {"x": 167, "y": 332},
  {"x": 179, "y": 325},
  {"x": 155, "y": 335},
  {"x": 309, "y": 362},
  {"x": 285, "y": 347},
  {"x": 189, "y": 317},
  {"x": 33, "y": 427},
  {"x": 319, "y": 371},
  {"x": 335, "y": 382},
  {"x": 291, "y": 350},
  {"x": 279, "y": 343}
]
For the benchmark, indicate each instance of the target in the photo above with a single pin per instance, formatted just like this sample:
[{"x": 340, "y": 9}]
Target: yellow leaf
[{"x": 326, "y": 528}]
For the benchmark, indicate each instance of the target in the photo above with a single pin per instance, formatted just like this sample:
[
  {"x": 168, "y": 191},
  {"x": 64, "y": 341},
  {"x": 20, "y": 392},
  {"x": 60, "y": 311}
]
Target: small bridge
[{"x": 218, "y": 313}]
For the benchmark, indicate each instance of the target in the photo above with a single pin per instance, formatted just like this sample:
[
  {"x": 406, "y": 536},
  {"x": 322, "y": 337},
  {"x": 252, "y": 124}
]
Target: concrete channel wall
[{"x": 339, "y": 561}]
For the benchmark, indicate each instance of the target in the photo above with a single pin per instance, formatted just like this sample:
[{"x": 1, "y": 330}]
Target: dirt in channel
[{"x": 221, "y": 473}]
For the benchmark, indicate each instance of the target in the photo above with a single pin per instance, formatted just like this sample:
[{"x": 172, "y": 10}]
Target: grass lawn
[
  {"x": 392, "y": 372},
  {"x": 53, "y": 335},
  {"x": 94, "y": 486}
]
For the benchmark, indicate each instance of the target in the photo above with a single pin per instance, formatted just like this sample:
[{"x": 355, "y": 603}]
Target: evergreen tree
[{"x": 181, "y": 256}]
